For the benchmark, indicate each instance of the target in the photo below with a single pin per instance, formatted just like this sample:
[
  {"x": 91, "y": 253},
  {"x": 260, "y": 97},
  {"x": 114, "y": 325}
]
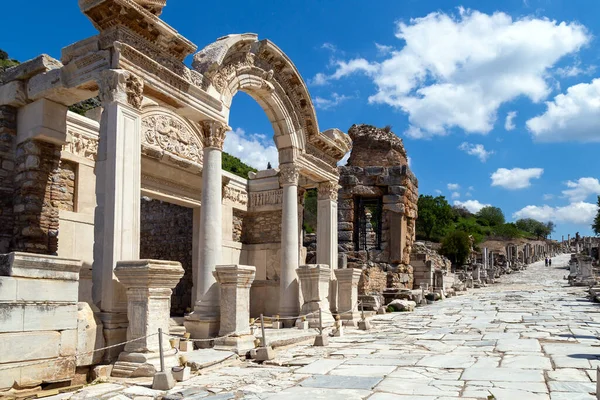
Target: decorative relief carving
[
  {"x": 266, "y": 198},
  {"x": 321, "y": 155},
  {"x": 214, "y": 133},
  {"x": 121, "y": 86},
  {"x": 235, "y": 195},
  {"x": 82, "y": 145},
  {"x": 172, "y": 135},
  {"x": 289, "y": 174},
  {"x": 328, "y": 191},
  {"x": 221, "y": 77}
]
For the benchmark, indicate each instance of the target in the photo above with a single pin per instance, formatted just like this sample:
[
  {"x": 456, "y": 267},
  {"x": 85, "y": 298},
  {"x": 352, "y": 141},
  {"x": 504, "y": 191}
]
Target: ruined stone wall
[
  {"x": 166, "y": 233},
  {"x": 63, "y": 186},
  {"x": 36, "y": 217},
  {"x": 378, "y": 169},
  {"x": 262, "y": 227},
  {"x": 8, "y": 132},
  {"x": 238, "y": 225}
]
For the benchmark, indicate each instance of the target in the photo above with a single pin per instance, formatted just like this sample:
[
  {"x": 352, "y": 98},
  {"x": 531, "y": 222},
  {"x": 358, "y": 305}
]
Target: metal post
[
  {"x": 160, "y": 349},
  {"x": 262, "y": 327},
  {"x": 320, "y": 322},
  {"x": 362, "y": 311}
]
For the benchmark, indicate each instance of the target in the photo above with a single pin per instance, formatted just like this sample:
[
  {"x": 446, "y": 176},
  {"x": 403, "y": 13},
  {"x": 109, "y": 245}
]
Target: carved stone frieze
[
  {"x": 266, "y": 198},
  {"x": 121, "y": 86},
  {"x": 81, "y": 145},
  {"x": 328, "y": 191},
  {"x": 320, "y": 154},
  {"x": 214, "y": 133},
  {"x": 235, "y": 195},
  {"x": 173, "y": 135},
  {"x": 289, "y": 174}
]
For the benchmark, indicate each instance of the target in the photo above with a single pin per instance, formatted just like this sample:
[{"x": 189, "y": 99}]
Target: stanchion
[
  {"x": 262, "y": 327},
  {"x": 321, "y": 339},
  {"x": 363, "y": 324},
  {"x": 263, "y": 353},
  {"x": 163, "y": 380}
]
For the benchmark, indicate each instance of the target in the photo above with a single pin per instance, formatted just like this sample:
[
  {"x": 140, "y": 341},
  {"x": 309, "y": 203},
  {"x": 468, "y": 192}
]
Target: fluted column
[
  {"x": 288, "y": 295},
  {"x": 327, "y": 238},
  {"x": 204, "y": 321}
]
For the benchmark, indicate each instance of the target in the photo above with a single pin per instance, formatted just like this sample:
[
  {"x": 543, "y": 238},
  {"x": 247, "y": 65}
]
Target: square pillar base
[
  {"x": 202, "y": 328},
  {"x": 240, "y": 345},
  {"x": 134, "y": 365}
]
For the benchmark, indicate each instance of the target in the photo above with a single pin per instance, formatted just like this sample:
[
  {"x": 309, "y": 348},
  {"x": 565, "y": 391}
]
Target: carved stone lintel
[
  {"x": 121, "y": 86},
  {"x": 328, "y": 191},
  {"x": 289, "y": 174},
  {"x": 214, "y": 134},
  {"x": 173, "y": 135}
]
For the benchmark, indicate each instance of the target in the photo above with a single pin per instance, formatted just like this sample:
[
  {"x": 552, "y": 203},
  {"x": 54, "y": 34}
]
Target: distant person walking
[
  {"x": 550, "y": 262},
  {"x": 546, "y": 261}
]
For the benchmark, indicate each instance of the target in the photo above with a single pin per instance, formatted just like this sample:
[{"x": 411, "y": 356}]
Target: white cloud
[
  {"x": 576, "y": 213},
  {"x": 472, "y": 205},
  {"x": 344, "y": 159},
  {"x": 409, "y": 161},
  {"x": 329, "y": 46},
  {"x": 455, "y": 195},
  {"x": 250, "y": 149},
  {"x": 509, "y": 124},
  {"x": 383, "y": 50},
  {"x": 582, "y": 189},
  {"x": 335, "y": 100},
  {"x": 548, "y": 196},
  {"x": 575, "y": 70},
  {"x": 471, "y": 189},
  {"x": 477, "y": 150},
  {"x": 574, "y": 116},
  {"x": 516, "y": 178},
  {"x": 457, "y": 70},
  {"x": 438, "y": 191},
  {"x": 468, "y": 194},
  {"x": 453, "y": 186}
]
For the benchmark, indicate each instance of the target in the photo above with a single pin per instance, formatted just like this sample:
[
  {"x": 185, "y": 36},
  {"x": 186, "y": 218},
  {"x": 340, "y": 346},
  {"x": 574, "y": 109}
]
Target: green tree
[
  {"x": 508, "y": 231},
  {"x": 493, "y": 216},
  {"x": 456, "y": 246},
  {"x": 6, "y": 62},
  {"x": 236, "y": 166},
  {"x": 596, "y": 224},
  {"x": 435, "y": 217}
]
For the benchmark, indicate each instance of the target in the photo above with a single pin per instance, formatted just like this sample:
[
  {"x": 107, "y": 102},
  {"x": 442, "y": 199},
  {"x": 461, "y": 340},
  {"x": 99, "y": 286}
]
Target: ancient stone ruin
[{"x": 377, "y": 208}]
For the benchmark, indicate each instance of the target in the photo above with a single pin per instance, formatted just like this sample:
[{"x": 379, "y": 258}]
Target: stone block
[
  {"x": 26, "y": 70},
  {"x": 302, "y": 325},
  {"x": 345, "y": 226},
  {"x": 12, "y": 317},
  {"x": 59, "y": 370},
  {"x": 348, "y": 180},
  {"x": 397, "y": 190},
  {"x": 398, "y": 170},
  {"x": 392, "y": 198},
  {"x": 25, "y": 265},
  {"x": 265, "y": 353},
  {"x": 375, "y": 171},
  {"x": 47, "y": 290},
  {"x": 186, "y": 345},
  {"x": 22, "y": 346},
  {"x": 68, "y": 342},
  {"x": 181, "y": 374},
  {"x": 345, "y": 236},
  {"x": 90, "y": 335},
  {"x": 321, "y": 341},
  {"x": 46, "y": 317},
  {"x": 163, "y": 381},
  {"x": 364, "y": 325}
]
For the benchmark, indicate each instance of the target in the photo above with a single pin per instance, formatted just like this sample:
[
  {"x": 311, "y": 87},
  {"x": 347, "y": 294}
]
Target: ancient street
[{"x": 528, "y": 337}]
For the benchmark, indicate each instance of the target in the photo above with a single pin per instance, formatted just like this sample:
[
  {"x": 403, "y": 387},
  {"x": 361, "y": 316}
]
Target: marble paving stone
[
  {"x": 320, "y": 366},
  {"x": 359, "y": 370},
  {"x": 447, "y": 361},
  {"x": 568, "y": 375},
  {"x": 503, "y": 375},
  {"x": 578, "y": 387},
  {"x": 510, "y": 394},
  {"x": 341, "y": 382},
  {"x": 515, "y": 345},
  {"x": 306, "y": 393},
  {"x": 526, "y": 362},
  {"x": 399, "y": 386}
]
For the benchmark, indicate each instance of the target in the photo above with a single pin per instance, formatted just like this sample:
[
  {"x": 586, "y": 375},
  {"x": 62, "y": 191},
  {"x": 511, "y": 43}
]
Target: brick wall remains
[
  {"x": 36, "y": 218},
  {"x": 8, "y": 132},
  {"x": 166, "y": 232},
  {"x": 262, "y": 227},
  {"x": 238, "y": 224},
  {"x": 63, "y": 186}
]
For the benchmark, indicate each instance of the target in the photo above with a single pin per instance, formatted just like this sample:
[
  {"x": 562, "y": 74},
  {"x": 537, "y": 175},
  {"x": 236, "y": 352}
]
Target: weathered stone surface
[
  {"x": 89, "y": 335},
  {"x": 371, "y": 143}
]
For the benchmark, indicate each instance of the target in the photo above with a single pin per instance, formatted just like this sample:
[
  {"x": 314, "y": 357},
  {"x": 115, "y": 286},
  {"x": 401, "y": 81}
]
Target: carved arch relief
[{"x": 167, "y": 132}]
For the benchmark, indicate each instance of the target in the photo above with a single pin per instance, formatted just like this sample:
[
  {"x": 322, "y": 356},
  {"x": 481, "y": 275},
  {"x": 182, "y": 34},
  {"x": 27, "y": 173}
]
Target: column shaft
[
  {"x": 288, "y": 295},
  {"x": 327, "y": 238}
]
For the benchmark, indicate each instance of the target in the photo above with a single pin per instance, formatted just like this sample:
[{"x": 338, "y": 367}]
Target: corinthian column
[
  {"x": 204, "y": 321},
  {"x": 288, "y": 292},
  {"x": 327, "y": 238}
]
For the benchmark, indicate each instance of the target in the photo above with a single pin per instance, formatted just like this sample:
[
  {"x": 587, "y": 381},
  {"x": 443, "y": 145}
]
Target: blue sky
[{"x": 496, "y": 101}]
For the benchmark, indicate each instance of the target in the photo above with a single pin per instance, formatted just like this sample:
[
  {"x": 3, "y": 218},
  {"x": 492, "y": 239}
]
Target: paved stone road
[{"x": 529, "y": 337}]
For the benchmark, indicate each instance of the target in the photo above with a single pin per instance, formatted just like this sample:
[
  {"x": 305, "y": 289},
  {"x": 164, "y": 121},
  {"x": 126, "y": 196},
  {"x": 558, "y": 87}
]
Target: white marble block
[
  {"x": 235, "y": 282},
  {"x": 348, "y": 295},
  {"x": 314, "y": 281},
  {"x": 149, "y": 285}
]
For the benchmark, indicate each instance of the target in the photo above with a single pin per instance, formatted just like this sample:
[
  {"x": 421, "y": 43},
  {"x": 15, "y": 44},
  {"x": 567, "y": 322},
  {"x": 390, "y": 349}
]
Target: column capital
[
  {"x": 214, "y": 133},
  {"x": 289, "y": 174},
  {"x": 328, "y": 191},
  {"x": 117, "y": 85},
  {"x": 240, "y": 276}
]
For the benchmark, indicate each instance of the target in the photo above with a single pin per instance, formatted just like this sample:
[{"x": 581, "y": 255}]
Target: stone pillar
[
  {"x": 235, "y": 282},
  {"x": 149, "y": 286},
  {"x": 195, "y": 250},
  {"x": 348, "y": 294},
  {"x": 288, "y": 295},
  {"x": 485, "y": 258},
  {"x": 204, "y": 321},
  {"x": 327, "y": 237},
  {"x": 314, "y": 281},
  {"x": 117, "y": 213},
  {"x": 8, "y": 133}
]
